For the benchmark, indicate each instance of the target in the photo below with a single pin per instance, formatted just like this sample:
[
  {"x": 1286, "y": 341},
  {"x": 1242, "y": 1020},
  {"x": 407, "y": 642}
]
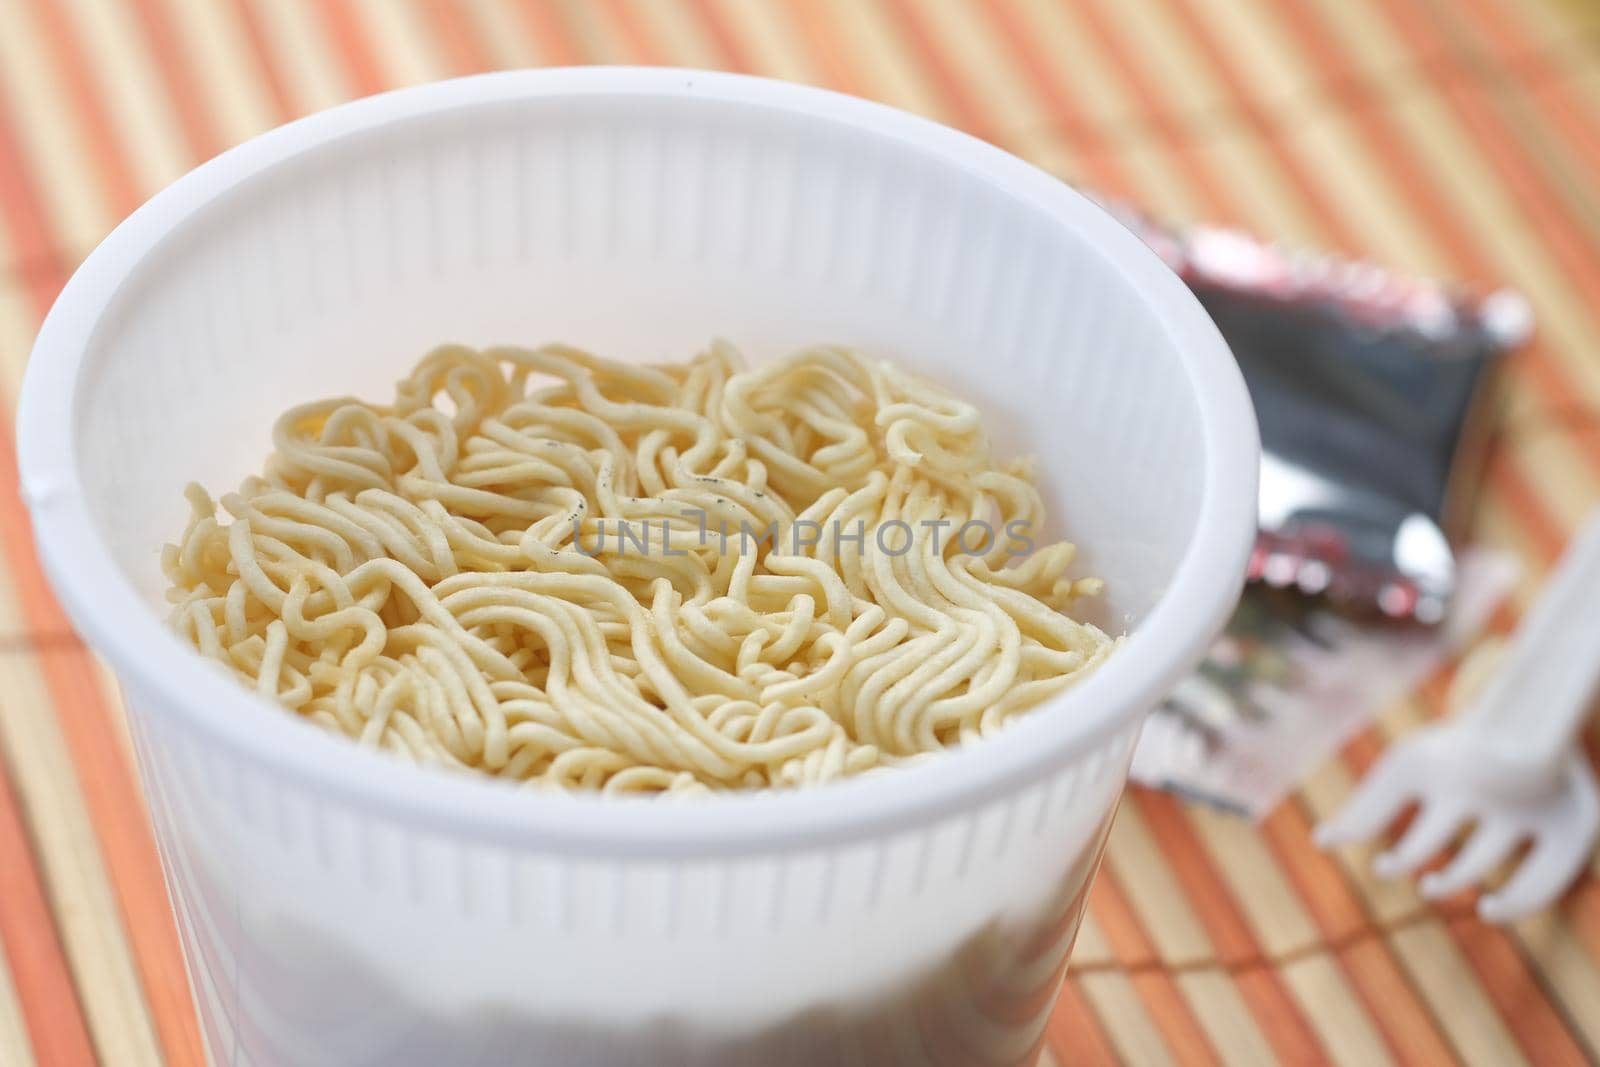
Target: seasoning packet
[{"x": 1374, "y": 393}]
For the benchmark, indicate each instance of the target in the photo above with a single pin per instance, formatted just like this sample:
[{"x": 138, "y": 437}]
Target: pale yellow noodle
[{"x": 445, "y": 578}]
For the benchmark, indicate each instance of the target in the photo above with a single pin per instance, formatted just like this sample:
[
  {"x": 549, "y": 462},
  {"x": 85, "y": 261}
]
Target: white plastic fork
[{"x": 1506, "y": 763}]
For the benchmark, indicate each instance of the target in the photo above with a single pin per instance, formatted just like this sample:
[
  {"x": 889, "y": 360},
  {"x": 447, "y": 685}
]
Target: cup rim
[{"x": 164, "y": 676}]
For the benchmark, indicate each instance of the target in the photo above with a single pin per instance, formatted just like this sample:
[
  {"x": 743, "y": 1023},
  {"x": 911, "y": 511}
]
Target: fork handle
[{"x": 1534, "y": 705}]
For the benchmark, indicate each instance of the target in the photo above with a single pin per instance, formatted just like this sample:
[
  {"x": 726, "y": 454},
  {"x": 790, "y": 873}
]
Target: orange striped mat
[{"x": 1458, "y": 137}]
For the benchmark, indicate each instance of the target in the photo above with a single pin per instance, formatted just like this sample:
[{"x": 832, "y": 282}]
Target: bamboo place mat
[{"x": 1456, "y": 137}]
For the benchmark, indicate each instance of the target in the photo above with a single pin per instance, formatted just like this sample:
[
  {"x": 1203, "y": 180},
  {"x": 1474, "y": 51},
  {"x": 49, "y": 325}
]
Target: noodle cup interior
[
  {"x": 638, "y": 228},
  {"x": 637, "y": 214}
]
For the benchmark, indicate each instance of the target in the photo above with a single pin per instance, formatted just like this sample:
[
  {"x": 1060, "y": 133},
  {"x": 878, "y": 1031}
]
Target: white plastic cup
[{"x": 341, "y": 908}]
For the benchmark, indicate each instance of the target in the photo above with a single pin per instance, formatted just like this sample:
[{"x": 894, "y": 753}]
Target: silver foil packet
[{"x": 1374, "y": 393}]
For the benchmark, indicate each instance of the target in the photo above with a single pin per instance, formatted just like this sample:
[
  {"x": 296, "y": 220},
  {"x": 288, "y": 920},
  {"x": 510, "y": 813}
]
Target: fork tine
[
  {"x": 1373, "y": 805},
  {"x": 1538, "y": 880},
  {"x": 1489, "y": 844},
  {"x": 1430, "y": 831},
  {"x": 1556, "y": 859}
]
